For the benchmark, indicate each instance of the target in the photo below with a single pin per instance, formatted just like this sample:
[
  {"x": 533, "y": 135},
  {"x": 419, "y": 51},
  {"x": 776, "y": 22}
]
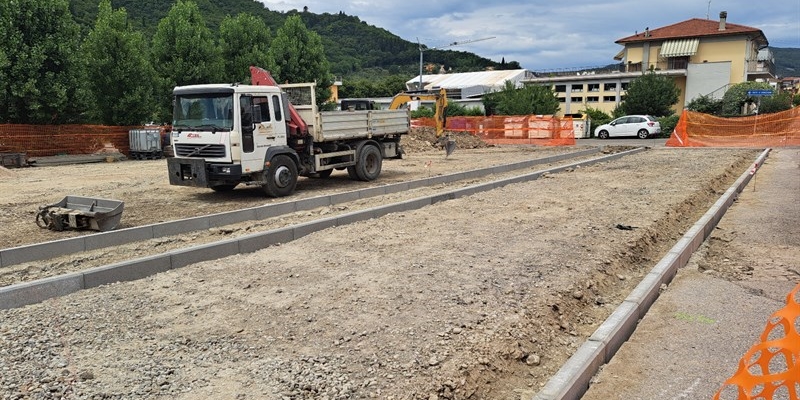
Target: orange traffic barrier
[
  {"x": 771, "y": 369},
  {"x": 696, "y": 129},
  {"x": 542, "y": 130}
]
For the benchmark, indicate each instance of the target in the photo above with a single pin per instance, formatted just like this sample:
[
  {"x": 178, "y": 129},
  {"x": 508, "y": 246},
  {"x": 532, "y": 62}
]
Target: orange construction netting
[
  {"x": 770, "y": 370},
  {"x": 51, "y": 140},
  {"x": 543, "y": 130},
  {"x": 769, "y": 130}
]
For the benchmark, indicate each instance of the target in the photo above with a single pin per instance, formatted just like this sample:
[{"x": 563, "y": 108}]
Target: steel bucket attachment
[
  {"x": 449, "y": 145},
  {"x": 76, "y": 212}
]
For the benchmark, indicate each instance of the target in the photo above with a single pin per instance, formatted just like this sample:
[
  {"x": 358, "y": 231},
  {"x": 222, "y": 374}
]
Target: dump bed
[
  {"x": 345, "y": 125},
  {"x": 330, "y": 126}
]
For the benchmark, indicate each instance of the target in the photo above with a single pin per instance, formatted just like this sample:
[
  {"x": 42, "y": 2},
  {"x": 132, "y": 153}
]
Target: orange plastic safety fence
[
  {"x": 769, "y": 130},
  {"x": 50, "y": 140},
  {"x": 543, "y": 130},
  {"x": 771, "y": 369}
]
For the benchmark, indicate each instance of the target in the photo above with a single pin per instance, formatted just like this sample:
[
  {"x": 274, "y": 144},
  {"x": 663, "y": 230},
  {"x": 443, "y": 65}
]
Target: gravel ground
[{"x": 479, "y": 297}]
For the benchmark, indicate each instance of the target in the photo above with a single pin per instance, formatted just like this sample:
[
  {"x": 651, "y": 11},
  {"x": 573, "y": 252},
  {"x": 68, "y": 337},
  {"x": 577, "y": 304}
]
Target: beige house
[{"x": 704, "y": 57}]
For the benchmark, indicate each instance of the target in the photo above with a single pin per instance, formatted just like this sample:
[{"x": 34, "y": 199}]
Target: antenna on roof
[{"x": 708, "y": 11}]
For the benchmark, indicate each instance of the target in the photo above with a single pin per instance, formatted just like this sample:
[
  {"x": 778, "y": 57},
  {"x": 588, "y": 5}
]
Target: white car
[{"x": 642, "y": 126}]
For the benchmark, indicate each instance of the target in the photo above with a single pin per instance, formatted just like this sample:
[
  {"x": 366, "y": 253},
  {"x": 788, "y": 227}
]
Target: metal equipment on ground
[{"x": 76, "y": 212}]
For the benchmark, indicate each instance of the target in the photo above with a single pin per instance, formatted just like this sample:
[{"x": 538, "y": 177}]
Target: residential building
[
  {"x": 703, "y": 56},
  {"x": 468, "y": 85}
]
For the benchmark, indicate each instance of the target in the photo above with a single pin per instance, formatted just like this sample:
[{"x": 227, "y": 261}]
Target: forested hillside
[
  {"x": 787, "y": 61},
  {"x": 352, "y": 47}
]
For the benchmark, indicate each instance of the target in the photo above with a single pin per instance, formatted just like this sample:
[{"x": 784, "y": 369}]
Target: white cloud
[{"x": 547, "y": 35}]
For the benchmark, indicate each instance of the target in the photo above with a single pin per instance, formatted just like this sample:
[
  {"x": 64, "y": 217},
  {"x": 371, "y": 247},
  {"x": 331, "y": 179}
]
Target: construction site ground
[{"x": 478, "y": 297}]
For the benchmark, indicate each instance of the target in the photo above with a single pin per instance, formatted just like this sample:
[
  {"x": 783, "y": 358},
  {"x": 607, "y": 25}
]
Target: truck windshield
[{"x": 207, "y": 112}]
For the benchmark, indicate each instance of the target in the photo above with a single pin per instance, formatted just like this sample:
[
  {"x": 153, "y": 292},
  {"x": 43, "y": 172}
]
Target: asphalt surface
[{"x": 693, "y": 337}]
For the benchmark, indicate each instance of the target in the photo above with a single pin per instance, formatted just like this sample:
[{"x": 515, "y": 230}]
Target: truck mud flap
[{"x": 187, "y": 172}]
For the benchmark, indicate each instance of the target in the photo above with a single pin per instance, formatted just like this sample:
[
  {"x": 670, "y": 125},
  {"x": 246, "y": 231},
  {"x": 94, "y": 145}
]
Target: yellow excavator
[
  {"x": 440, "y": 114},
  {"x": 399, "y": 100}
]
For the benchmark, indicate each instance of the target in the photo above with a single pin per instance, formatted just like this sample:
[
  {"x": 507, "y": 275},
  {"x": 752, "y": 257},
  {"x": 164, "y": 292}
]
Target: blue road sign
[{"x": 760, "y": 92}]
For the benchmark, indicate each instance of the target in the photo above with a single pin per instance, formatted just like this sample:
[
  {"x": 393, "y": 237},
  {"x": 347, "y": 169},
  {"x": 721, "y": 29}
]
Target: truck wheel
[
  {"x": 369, "y": 163},
  {"x": 351, "y": 172},
  {"x": 280, "y": 178}
]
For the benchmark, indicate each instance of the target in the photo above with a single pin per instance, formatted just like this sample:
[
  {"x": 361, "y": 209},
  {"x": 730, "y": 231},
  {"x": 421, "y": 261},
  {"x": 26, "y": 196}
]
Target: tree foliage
[
  {"x": 41, "y": 70},
  {"x": 775, "y": 103},
  {"x": 245, "y": 41},
  {"x": 597, "y": 117},
  {"x": 736, "y": 96},
  {"x": 184, "y": 52},
  {"x": 301, "y": 57},
  {"x": 651, "y": 94},
  {"x": 120, "y": 75},
  {"x": 533, "y": 99},
  {"x": 706, "y": 105}
]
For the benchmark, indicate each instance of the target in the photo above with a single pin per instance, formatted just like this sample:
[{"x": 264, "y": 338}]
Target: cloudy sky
[{"x": 544, "y": 35}]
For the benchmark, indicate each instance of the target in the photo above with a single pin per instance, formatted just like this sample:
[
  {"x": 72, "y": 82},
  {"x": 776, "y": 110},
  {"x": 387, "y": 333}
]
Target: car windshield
[{"x": 208, "y": 112}]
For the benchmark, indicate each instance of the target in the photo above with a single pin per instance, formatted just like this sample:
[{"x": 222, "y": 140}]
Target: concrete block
[
  {"x": 23, "y": 294},
  {"x": 416, "y": 184},
  {"x": 126, "y": 271},
  {"x": 344, "y": 197},
  {"x": 312, "y": 203},
  {"x": 308, "y": 228},
  {"x": 646, "y": 292},
  {"x": 403, "y": 206},
  {"x": 356, "y": 216},
  {"x": 668, "y": 266},
  {"x": 474, "y": 174},
  {"x": 257, "y": 241},
  {"x": 372, "y": 192},
  {"x": 180, "y": 226},
  {"x": 572, "y": 380},
  {"x": 40, "y": 251},
  {"x": 396, "y": 187},
  {"x": 116, "y": 238},
  {"x": 196, "y": 254},
  {"x": 467, "y": 191},
  {"x": 437, "y": 198},
  {"x": 233, "y": 217},
  {"x": 274, "y": 210},
  {"x": 617, "y": 328},
  {"x": 437, "y": 180}
]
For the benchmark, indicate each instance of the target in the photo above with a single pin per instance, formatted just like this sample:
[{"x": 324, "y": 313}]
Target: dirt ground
[{"x": 478, "y": 297}]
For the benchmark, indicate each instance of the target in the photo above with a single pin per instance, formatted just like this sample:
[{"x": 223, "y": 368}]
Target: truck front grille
[{"x": 200, "y": 150}]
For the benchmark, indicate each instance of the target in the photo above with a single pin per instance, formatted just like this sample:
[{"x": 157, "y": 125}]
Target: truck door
[{"x": 268, "y": 130}]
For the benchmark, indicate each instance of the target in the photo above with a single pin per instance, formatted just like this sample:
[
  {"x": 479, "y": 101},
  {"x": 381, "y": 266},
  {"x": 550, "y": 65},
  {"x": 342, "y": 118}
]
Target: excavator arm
[{"x": 440, "y": 113}]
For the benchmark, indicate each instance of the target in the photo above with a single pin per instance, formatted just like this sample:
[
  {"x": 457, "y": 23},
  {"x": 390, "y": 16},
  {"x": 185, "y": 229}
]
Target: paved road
[{"x": 694, "y": 335}]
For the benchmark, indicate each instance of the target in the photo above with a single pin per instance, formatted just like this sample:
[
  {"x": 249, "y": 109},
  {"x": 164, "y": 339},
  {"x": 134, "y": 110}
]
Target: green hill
[
  {"x": 787, "y": 61},
  {"x": 352, "y": 46}
]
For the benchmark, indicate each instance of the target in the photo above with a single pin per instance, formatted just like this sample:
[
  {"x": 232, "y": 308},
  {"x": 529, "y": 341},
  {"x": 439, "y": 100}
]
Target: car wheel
[
  {"x": 602, "y": 134},
  {"x": 643, "y": 134}
]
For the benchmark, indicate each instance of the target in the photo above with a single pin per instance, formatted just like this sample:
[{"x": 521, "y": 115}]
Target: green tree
[
  {"x": 245, "y": 41},
  {"x": 776, "y": 103},
  {"x": 533, "y": 99},
  {"x": 736, "y": 97},
  {"x": 301, "y": 57},
  {"x": 42, "y": 73},
  {"x": 651, "y": 94},
  {"x": 121, "y": 77},
  {"x": 184, "y": 53},
  {"x": 705, "y": 104},
  {"x": 597, "y": 116}
]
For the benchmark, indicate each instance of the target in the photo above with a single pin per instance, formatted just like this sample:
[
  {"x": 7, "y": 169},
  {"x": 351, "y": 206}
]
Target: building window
[
  {"x": 609, "y": 99},
  {"x": 562, "y": 99},
  {"x": 678, "y": 62},
  {"x": 592, "y": 99},
  {"x": 561, "y": 88},
  {"x": 608, "y": 87},
  {"x": 637, "y": 67},
  {"x": 577, "y": 88},
  {"x": 594, "y": 87},
  {"x": 576, "y": 99},
  {"x": 625, "y": 85}
]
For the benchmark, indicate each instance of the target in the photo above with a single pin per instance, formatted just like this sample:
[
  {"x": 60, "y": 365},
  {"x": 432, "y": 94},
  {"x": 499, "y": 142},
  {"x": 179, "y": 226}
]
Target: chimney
[{"x": 723, "y": 16}]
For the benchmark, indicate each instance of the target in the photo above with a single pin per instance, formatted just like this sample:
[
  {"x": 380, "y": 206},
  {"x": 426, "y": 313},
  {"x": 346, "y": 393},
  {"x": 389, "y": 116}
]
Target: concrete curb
[
  {"x": 573, "y": 378},
  {"x": 23, "y": 294},
  {"x": 46, "y": 250}
]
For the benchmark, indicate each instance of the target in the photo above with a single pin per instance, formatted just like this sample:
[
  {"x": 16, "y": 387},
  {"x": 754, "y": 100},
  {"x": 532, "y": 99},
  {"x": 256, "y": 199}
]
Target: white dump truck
[{"x": 267, "y": 135}]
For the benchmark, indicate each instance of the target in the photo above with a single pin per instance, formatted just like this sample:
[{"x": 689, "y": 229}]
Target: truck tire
[
  {"x": 369, "y": 164},
  {"x": 280, "y": 178}
]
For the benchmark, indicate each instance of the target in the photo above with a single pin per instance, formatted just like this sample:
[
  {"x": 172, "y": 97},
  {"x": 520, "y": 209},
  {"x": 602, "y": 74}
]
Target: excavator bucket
[
  {"x": 76, "y": 212},
  {"x": 449, "y": 146}
]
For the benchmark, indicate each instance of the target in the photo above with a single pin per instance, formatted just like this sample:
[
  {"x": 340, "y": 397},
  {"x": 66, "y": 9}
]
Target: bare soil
[{"x": 478, "y": 297}]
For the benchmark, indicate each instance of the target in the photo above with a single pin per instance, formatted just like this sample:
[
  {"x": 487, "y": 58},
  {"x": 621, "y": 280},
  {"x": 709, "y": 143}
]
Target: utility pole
[{"x": 421, "y": 49}]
